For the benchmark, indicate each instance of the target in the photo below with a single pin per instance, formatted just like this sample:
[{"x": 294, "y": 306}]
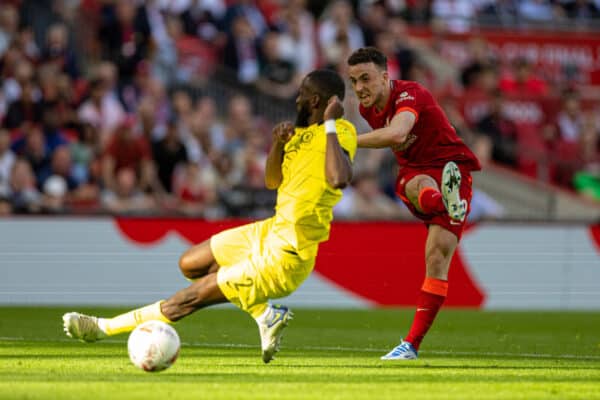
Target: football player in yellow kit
[{"x": 308, "y": 164}]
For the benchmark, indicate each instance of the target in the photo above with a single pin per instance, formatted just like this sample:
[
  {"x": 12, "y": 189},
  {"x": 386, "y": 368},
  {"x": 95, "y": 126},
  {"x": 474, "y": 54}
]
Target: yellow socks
[{"x": 128, "y": 321}]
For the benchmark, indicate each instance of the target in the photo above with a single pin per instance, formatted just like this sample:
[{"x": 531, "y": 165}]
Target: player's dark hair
[
  {"x": 366, "y": 55},
  {"x": 327, "y": 83}
]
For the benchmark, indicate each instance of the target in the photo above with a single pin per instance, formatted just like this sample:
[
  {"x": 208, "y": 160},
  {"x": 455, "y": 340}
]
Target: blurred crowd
[{"x": 102, "y": 107}]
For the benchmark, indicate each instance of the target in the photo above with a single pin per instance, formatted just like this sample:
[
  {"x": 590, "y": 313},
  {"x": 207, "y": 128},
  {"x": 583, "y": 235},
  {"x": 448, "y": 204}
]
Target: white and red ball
[{"x": 153, "y": 346}]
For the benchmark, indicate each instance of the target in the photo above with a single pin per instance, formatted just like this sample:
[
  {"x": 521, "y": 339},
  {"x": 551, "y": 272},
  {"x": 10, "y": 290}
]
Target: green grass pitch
[{"x": 326, "y": 354}]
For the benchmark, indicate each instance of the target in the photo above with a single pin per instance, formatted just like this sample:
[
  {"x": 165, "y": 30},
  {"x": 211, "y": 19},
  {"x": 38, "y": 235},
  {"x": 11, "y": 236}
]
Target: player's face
[
  {"x": 368, "y": 82},
  {"x": 303, "y": 105}
]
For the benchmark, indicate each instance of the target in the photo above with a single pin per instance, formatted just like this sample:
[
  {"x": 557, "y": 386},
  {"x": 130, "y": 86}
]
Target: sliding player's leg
[
  {"x": 201, "y": 293},
  {"x": 269, "y": 273},
  {"x": 234, "y": 245},
  {"x": 198, "y": 263}
]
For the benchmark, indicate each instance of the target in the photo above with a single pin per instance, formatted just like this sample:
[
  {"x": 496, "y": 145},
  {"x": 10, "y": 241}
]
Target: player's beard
[{"x": 302, "y": 116}]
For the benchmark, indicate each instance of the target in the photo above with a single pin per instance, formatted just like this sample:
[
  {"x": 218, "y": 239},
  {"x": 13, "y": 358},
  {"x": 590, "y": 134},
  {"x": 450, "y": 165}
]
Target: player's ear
[
  {"x": 385, "y": 75},
  {"x": 315, "y": 100}
]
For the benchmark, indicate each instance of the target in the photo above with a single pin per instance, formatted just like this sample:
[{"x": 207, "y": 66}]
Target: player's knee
[
  {"x": 436, "y": 262},
  {"x": 186, "y": 264}
]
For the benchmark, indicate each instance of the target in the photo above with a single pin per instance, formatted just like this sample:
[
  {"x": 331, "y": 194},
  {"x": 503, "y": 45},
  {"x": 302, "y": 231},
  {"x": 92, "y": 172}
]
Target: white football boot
[
  {"x": 82, "y": 327},
  {"x": 404, "y": 351},
  {"x": 271, "y": 325},
  {"x": 451, "y": 178}
]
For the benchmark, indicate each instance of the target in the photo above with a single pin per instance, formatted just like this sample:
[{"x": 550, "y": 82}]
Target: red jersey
[{"x": 432, "y": 142}]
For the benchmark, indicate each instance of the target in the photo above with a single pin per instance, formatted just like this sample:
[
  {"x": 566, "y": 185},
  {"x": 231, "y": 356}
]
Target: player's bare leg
[
  {"x": 198, "y": 261},
  {"x": 202, "y": 293}
]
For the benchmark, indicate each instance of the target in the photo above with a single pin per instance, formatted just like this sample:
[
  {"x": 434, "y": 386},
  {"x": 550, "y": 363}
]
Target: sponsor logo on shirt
[{"x": 404, "y": 96}]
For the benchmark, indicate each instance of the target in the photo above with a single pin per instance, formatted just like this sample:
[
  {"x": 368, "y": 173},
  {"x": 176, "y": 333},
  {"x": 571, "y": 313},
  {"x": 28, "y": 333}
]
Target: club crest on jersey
[
  {"x": 410, "y": 139},
  {"x": 307, "y": 136}
]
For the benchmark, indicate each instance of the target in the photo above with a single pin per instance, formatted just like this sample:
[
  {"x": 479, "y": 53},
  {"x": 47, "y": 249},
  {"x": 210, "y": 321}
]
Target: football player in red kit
[{"x": 434, "y": 180}]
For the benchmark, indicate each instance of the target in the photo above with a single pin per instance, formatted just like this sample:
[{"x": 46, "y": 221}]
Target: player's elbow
[
  {"x": 339, "y": 181},
  {"x": 398, "y": 138},
  {"x": 271, "y": 183}
]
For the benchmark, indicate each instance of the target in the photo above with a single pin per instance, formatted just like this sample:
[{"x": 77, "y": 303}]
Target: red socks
[
  {"x": 431, "y": 202},
  {"x": 432, "y": 296}
]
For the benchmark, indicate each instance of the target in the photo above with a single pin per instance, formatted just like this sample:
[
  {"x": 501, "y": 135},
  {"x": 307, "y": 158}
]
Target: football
[{"x": 153, "y": 346}]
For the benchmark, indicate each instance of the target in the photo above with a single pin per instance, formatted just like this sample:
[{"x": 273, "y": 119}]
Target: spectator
[
  {"x": 364, "y": 200},
  {"x": 278, "y": 77},
  {"x": 147, "y": 123},
  {"x": 57, "y": 51},
  {"x": 297, "y": 40},
  {"x": 24, "y": 110},
  {"x": 570, "y": 118},
  {"x": 523, "y": 81},
  {"x": 22, "y": 75},
  {"x": 102, "y": 111},
  {"x": 241, "y": 51},
  {"x": 125, "y": 36},
  {"x": 202, "y": 19},
  {"x": 249, "y": 163},
  {"x": 456, "y": 15},
  {"x": 24, "y": 196},
  {"x": 587, "y": 179},
  {"x": 61, "y": 165},
  {"x": 127, "y": 196},
  {"x": 54, "y": 197},
  {"x": 339, "y": 32},
  {"x": 250, "y": 13},
  {"x": 501, "y": 130},
  {"x": 128, "y": 151},
  {"x": 9, "y": 24},
  {"x": 196, "y": 189},
  {"x": 84, "y": 152},
  {"x": 500, "y": 12},
  {"x": 207, "y": 128},
  {"x": 539, "y": 11},
  {"x": 428, "y": 54},
  {"x": 581, "y": 11},
  {"x": 7, "y": 160},
  {"x": 240, "y": 123},
  {"x": 53, "y": 132},
  {"x": 31, "y": 146},
  {"x": 168, "y": 153}
]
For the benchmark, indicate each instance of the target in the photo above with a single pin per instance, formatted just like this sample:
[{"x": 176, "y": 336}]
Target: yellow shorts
[{"x": 256, "y": 265}]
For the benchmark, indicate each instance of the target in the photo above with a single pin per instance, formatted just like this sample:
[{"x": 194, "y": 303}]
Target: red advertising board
[{"x": 553, "y": 52}]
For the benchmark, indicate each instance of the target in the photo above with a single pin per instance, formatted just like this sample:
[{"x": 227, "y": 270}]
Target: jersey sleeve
[
  {"x": 346, "y": 133},
  {"x": 411, "y": 100}
]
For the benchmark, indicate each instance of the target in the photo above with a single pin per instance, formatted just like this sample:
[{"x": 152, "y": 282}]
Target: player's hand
[
  {"x": 283, "y": 132},
  {"x": 334, "y": 109}
]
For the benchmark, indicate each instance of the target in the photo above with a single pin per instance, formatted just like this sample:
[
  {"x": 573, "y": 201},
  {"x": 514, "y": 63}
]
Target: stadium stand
[{"x": 165, "y": 107}]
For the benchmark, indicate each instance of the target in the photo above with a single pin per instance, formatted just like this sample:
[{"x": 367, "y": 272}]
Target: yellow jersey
[{"x": 305, "y": 199}]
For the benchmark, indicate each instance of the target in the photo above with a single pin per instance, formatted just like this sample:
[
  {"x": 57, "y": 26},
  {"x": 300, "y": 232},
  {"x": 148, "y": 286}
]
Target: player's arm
[
  {"x": 392, "y": 135},
  {"x": 281, "y": 134},
  {"x": 338, "y": 167}
]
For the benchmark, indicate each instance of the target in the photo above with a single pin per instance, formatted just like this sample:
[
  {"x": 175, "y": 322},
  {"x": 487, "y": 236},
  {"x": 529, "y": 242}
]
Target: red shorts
[{"x": 443, "y": 220}]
